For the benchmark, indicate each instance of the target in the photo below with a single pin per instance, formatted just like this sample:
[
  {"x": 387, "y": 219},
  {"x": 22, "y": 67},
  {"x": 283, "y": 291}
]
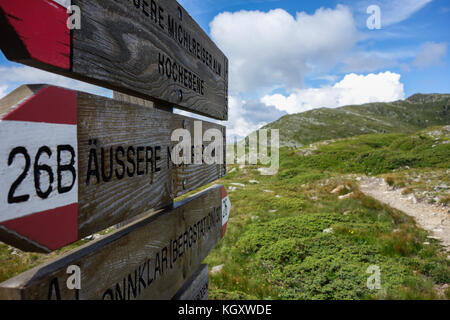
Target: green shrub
[{"x": 283, "y": 252}]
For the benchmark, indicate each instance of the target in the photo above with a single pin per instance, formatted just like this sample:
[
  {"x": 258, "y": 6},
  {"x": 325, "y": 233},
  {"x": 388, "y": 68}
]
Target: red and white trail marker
[
  {"x": 226, "y": 207},
  {"x": 39, "y": 170},
  {"x": 151, "y": 49},
  {"x": 73, "y": 164},
  {"x": 42, "y": 30}
]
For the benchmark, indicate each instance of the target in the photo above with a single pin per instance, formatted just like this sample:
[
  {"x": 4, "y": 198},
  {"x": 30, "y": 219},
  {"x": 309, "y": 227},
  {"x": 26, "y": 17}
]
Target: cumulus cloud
[
  {"x": 12, "y": 77},
  {"x": 244, "y": 116},
  {"x": 353, "y": 89},
  {"x": 274, "y": 49},
  {"x": 371, "y": 61},
  {"x": 260, "y": 113},
  {"x": 248, "y": 116},
  {"x": 3, "y": 91},
  {"x": 395, "y": 11},
  {"x": 431, "y": 53},
  {"x": 239, "y": 125},
  {"x": 400, "y": 10},
  {"x": 367, "y": 62}
]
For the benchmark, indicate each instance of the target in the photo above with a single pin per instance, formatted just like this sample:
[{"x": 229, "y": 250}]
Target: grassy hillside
[
  {"x": 290, "y": 238},
  {"x": 413, "y": 114}
]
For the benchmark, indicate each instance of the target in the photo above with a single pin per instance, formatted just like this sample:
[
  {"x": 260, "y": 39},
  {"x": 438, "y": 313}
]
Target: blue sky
[
  {"x": 292, "y": 56},
  {"x": 431, "y": 23}
]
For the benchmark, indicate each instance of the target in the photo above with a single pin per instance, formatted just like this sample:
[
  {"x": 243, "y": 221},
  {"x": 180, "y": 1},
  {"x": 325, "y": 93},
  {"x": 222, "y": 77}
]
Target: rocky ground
[{"x": 431, "y": 217}]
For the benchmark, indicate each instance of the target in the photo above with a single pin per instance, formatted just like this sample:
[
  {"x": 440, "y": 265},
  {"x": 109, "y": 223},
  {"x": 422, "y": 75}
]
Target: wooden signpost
[
  {"x": 150, "y": 259},
  {"x": 151, "y": 49},
  {"x": 73, "y": 164},
  {"x": 76, "y": 164},
  {"x": 197, "y": 287}
]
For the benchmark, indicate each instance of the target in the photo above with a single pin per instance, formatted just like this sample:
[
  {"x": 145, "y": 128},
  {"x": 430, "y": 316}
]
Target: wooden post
[
  {"x": 126, "y": 46},
  {"x": 150, "y": 259},
  {"x": 79, "y": 163},
  {"x": 197, "y": 287},
  {"x": 130, "y": 99},
  {"x": 75, "y": 164},
  {"x": 149, "y": 104}
]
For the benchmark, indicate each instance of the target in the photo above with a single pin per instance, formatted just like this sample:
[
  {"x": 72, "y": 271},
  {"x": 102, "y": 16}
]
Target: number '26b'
[{"x": 38, "y": 169}]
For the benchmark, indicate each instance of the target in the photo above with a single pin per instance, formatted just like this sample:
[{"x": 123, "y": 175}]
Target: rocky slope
[{"x": 406, "y": 116}]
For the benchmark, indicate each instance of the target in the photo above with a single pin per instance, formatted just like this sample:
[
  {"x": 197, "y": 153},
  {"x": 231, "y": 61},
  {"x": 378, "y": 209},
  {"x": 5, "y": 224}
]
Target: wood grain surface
[
  {"x": 150, "y": 259},
  {"x": 121, "y": 165},
  {"x": 197, "y": 287},
  {"x": 151, "y": 49}
]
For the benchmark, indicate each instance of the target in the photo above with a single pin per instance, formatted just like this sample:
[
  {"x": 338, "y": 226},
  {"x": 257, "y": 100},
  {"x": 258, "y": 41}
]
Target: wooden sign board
[
  {"x": 150, "y": 49},
  {"x": 73, "y": 164},
  {"x": 197, "y": 287},
  {"x": 150, "y": 259}
]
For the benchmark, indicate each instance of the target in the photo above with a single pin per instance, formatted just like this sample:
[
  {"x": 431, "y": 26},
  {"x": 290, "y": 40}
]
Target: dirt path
[{"x": 430, "y": 217}]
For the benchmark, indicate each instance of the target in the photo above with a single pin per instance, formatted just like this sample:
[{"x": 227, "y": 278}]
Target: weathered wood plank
[
  {"x": 75, "y": 164},
  {"x": 150, "y": 259},
  {"x": 197, "y": 287},
  {"x": 130, "y": 99},
  {"x": 149, "y": 49}
]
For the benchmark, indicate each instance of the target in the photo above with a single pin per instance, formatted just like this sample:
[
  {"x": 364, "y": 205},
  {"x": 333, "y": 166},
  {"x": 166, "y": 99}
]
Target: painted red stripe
[
  {"x": 42, "y": 27},
  {"x": 224, "y": 229},
  {"x": 50, "y": 105},
  {"x": 224, "y": 192},
  {"x": 53, "y": 229}
]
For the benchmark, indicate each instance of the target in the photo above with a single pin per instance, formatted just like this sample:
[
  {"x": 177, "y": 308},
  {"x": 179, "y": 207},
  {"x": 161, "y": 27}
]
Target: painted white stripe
[
  {"x": 33, "y": 136},
  {"x": 226, "y": 207}
]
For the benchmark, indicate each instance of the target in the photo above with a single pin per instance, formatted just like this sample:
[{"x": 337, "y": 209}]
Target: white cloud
[
  {"x": 13, "y": 77},
  {"x": 400, "y": 10},
  {"x": 245, "y": 117},
  {"x": 327, "y": 77},
  {"x": 395, "y": 11},
  {"x": 366, "y": 62},
  {"x": 431, "y": 53},
  {"x": 240, "y": 125},
  {"x": 274, "y": 49},
  {"x": 371, "y": 61},
  {"x": 3, "y": 91},
  {"x": 353, "y": 89},
  {"x": 248, "y": 116}
]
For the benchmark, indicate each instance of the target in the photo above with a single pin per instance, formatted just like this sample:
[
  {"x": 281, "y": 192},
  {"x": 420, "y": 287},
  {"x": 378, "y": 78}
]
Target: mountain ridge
[{"x": 417, "y": 112}]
